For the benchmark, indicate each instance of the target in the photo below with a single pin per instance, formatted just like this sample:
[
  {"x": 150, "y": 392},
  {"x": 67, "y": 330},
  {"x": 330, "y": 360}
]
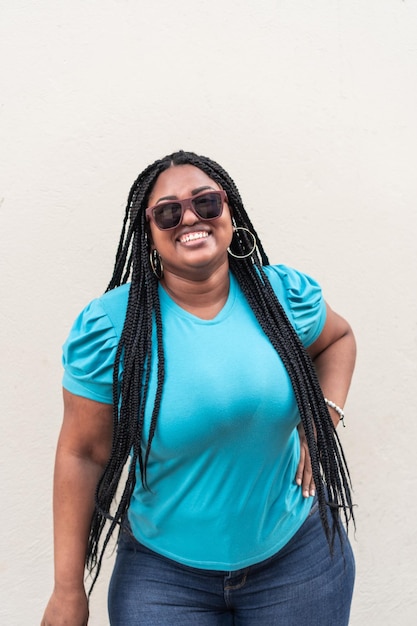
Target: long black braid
[{"x": 133, "y": 362}]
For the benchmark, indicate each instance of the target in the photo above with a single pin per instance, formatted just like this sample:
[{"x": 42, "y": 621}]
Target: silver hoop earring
[
  {"x": 252, "y": 250},
  {"x": 156, "y": 264}
]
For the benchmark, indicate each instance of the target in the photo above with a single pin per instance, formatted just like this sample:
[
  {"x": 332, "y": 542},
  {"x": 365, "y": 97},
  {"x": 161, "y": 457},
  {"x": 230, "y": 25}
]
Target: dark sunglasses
[{"x": 207, "y": 205}]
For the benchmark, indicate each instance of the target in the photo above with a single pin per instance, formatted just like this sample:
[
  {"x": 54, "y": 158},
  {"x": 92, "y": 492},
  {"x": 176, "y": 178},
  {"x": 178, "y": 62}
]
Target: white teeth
[{"x": 193, "y": 237}]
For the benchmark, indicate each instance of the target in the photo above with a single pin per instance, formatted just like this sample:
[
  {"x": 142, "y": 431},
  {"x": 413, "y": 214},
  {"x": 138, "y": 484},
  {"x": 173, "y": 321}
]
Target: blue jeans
[{"x": 301, "y": 585}]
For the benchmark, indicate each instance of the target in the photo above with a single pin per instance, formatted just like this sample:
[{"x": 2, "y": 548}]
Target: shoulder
[
  {"x": 285, "y": 278},
  {"x": 90, "y": 348},
  {"x": 113, "y": 304},
  {"x": 101, "y": 321},
  {"x": 302, "y": 299},
  {"x": 106, "y": 310}
]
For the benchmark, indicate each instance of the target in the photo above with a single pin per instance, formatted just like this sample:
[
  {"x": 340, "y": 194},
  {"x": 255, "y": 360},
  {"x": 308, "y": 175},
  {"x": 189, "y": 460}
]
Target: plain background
[{"x": 311, "y": 106}]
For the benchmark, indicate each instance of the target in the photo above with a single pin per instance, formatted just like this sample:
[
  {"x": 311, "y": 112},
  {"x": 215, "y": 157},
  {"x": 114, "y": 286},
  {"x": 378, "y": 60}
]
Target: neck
[{"x": 204, "y": 297}]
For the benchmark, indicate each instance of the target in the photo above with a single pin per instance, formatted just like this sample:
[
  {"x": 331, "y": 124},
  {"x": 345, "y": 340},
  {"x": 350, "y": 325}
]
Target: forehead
[{"x": 180, "y": 181}]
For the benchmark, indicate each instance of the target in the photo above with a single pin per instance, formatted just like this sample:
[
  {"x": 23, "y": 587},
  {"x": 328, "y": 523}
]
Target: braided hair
[{"x": 133, "y": 363}]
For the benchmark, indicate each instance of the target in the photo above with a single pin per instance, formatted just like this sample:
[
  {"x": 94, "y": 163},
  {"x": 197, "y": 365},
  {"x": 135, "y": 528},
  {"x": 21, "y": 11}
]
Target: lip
[{"x": 192, "y": 231}]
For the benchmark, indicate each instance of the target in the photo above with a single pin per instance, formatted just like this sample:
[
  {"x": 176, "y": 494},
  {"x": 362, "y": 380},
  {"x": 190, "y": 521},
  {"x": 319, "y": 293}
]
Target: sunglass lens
[
  {"x": 208, "y": 206},
  {"x": 168, "y": 215}
]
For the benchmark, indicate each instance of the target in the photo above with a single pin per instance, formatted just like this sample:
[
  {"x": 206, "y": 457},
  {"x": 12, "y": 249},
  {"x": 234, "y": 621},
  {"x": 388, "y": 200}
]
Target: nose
[{"x": 189, "y": 217}]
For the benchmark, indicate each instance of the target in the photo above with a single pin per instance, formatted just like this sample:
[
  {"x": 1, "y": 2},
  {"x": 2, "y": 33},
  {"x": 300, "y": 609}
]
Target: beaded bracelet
[{"x": 338, "y": 410}]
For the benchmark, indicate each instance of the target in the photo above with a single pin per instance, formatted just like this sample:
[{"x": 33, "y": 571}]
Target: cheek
[{"x": 229, "y": 236}]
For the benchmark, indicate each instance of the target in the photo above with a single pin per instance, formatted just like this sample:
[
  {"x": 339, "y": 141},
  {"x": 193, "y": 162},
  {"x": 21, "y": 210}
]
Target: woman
[{"x": 208, "y": 370}]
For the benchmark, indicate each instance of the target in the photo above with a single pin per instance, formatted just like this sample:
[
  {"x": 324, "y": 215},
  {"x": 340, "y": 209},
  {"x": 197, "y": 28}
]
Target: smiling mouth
[{"x": 193, "y": 236}]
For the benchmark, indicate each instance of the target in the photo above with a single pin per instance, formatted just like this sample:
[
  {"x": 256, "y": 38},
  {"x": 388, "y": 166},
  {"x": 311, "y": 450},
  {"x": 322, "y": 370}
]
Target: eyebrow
[{"x": 193, "y": 193}]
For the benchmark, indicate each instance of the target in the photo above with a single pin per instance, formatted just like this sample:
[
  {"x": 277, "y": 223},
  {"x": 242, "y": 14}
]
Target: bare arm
[
  {"x": 83, "y": 449},
  {"x": 333, "y": 355}
]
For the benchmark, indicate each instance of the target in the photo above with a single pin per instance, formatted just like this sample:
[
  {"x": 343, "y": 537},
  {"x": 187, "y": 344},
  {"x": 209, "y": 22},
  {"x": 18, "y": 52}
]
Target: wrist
[
  {"x": 337, "y": 409},
  {"x": 69, "y": 587}
]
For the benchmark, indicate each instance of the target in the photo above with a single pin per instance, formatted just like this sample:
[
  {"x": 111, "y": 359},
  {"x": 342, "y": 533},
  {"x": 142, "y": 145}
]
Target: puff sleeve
[
  {"x": 89, "y": 353},
  {"x": 302, "y": 298}
]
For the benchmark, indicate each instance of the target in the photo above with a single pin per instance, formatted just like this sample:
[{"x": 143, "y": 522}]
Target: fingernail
[{"x": 312, "y": 492}]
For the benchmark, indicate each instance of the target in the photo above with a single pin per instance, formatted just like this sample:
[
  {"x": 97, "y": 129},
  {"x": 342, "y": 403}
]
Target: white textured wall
[{"x": 311, "y": 105}]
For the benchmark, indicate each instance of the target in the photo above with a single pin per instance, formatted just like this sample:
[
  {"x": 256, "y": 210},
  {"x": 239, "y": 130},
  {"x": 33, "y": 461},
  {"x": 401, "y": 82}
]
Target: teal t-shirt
[{"x": 223, "y": 460}]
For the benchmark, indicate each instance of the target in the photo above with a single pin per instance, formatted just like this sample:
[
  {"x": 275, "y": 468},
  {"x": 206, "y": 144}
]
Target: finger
[
  {"x": 300, "y": 468},
  {"x": 308, "y": 487}
]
